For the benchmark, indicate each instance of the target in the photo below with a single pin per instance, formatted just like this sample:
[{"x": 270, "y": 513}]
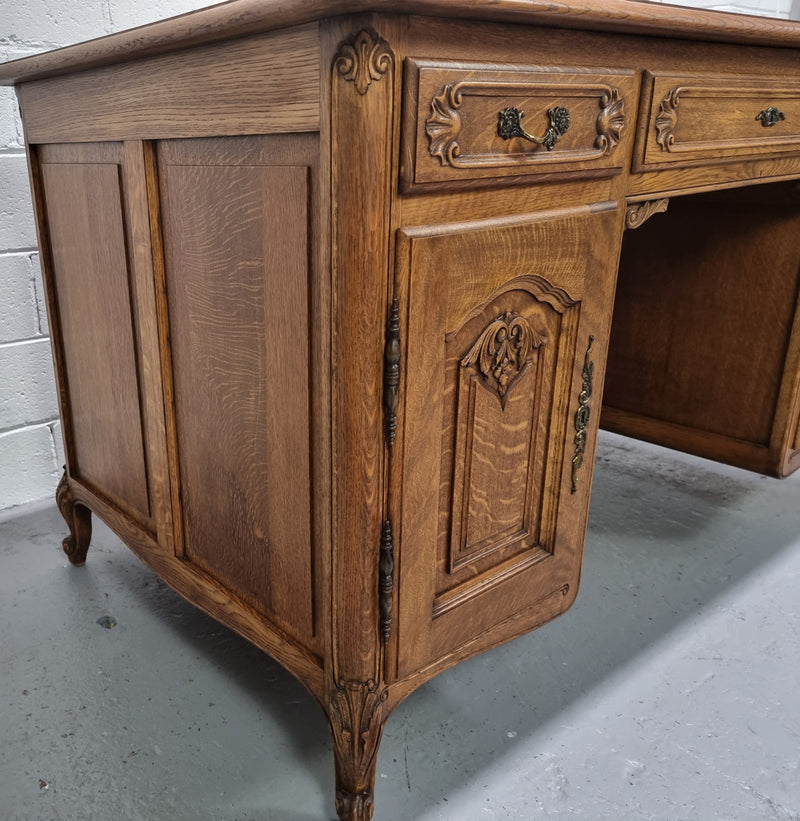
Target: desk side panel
[
  {"x": 237, "y": 249},
  {"x": 265, "y": 84},
  {"x": 92, "y": 293}
]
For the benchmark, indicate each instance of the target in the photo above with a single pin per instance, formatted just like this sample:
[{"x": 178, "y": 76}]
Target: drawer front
[
  {"x": 697, "y": 119},
  {"x": 465, "y": 121}
]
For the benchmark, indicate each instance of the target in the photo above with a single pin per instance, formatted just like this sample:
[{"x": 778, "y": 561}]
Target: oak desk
[{"x": 331, "y": 289}]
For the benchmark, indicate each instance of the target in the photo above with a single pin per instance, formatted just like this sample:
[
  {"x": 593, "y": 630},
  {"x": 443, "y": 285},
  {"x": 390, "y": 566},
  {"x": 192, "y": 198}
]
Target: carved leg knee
[
  {"x": 79, "y": 522},
  {"x": 357, "y": 716}
]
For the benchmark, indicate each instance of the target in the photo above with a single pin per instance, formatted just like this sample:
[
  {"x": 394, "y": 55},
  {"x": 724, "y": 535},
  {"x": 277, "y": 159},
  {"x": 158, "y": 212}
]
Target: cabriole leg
[
  {"x": 79, "y": 521},
  {"x": 357, "y": 716}
]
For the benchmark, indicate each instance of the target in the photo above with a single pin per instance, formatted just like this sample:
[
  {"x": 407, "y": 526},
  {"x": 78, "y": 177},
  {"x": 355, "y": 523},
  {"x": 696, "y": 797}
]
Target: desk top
[{"x": 238, "y": 18}]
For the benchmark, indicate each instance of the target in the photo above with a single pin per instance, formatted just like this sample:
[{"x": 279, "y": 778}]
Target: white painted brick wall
[
  {"x": 765, "y": 8},
  {"x": 31, "y": 451}
]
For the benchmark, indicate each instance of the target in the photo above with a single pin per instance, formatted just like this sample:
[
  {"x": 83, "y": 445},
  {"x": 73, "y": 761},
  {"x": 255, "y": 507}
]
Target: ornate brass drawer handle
[
  {"x": 509, "y": 126},
  {"x": 770, "y": 116}
]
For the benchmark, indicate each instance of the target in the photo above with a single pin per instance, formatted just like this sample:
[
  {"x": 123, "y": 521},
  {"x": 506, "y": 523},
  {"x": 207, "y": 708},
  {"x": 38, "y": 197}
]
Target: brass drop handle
[
  {"x": 509, "y": 126},
  {"x": 770, "y": 116}
]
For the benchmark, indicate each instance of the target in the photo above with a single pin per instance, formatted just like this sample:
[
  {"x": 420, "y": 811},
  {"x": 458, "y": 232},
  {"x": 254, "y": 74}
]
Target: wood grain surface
[
  {"x": 86, "y": 227},
  {"x": 238, "y": 208},
  {"x": 702, "y": 324},
  {"x": 237, "y": 268},
  {"x": 259, "y": 85},
  {"x": 502, "y": 528},
  {"x": 242, "y": 17}
]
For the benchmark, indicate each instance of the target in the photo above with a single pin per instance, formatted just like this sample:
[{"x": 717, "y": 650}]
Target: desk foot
[
  {"x": 357, "y": 716},
  {"x": 79, "y": 521}
]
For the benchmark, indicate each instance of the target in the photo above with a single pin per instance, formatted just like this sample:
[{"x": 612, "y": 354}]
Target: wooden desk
[{"x": 331, "y": 289}]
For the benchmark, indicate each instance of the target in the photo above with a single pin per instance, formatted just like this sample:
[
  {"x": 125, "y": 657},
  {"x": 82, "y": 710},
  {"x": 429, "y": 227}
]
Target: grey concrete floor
[{"x": 669, "y": 691}]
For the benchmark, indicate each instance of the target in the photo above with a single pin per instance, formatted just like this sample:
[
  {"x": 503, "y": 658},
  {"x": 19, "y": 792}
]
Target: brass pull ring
[
  {"x": 770, "y": 116},
  {"x": 509, "y": 126}
]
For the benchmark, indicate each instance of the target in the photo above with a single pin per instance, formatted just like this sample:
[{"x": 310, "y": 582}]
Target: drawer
[
  {"x": 460, "y": 118},
  {"x": 692, "y": 119}
]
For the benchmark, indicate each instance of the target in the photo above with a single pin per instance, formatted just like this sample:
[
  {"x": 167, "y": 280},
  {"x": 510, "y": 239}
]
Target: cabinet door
[{"x": 506, "y": 336}]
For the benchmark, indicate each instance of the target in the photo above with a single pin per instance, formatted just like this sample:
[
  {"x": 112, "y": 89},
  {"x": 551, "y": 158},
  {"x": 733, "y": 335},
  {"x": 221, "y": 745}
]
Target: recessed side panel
[
  {"x": 86, "y": 229},
  {"x": 722, "y": 287},
  {"x": 236, "y": 241}
]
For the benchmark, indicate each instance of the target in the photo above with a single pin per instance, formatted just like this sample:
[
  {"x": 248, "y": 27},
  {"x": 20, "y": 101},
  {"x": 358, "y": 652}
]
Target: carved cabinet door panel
[{"x": 507, "y": 326}]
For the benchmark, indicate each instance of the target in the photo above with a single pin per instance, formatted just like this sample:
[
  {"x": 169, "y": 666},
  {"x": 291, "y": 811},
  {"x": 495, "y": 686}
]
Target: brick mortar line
[
  {"x": 39, "y": 423},
  {"x": 23, "y": 341},
  {"x": 35, "y": 338}
]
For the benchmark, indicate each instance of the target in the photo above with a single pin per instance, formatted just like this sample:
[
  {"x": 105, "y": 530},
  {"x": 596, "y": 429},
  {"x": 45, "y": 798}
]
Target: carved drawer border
[{"x": 433, "y": 156}]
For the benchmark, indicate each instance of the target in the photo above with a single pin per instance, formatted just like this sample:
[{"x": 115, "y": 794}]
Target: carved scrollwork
[
  {"x": 364, "y": 58},
  {"x": 356, "y": 715},
  {"x": 639, "y": 213},
  {"x": 502, "y": 351},
  {"x": 444, "y": 125},
  {"x": 667, "y": 118},
  {"x": 610, "y": 121}
]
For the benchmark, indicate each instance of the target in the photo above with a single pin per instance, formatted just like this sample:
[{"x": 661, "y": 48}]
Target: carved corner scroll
[
  {"x": 444, "y": 125},
  {"x": 610, "y": 121},
  {"x": 356, "y": 713},
  {"x": 582, "y": 414},
  {"x": 638, "y": 213},
  {"x": 667, "y": 118},
  {"x": 501, "y": 352},
  {"x": 363, "y": 58}
]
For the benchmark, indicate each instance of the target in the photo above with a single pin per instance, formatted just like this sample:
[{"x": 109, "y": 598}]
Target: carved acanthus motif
[
  {"x": 444, "y": 125},
  {"x": 356, "y": 715},
  {"x": 610, "y": 121},
  {"x": 363, "y": 58},
  {"x": 667, "y": 119},
  {"x": 502, "y": 351},
  {"x": 639, "y": 213},
  {"x": 79, "y": 522}
]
